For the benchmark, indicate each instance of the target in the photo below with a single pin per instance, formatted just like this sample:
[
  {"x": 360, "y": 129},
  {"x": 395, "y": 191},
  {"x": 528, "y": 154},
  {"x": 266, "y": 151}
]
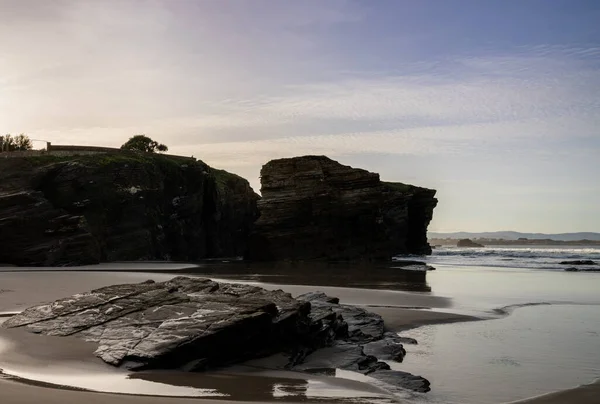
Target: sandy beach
[
  {"x": 13, "y": 392},
  {"x": 43, "y": 363},
  {"x": 587, "y": 394}
]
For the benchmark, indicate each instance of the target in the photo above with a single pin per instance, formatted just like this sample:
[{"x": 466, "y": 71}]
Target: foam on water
[{"x": 545, "y": 258}]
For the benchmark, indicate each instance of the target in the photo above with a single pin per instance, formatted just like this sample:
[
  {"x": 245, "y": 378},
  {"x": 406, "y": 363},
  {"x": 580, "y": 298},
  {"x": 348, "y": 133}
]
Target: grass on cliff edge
[
  {"x": 223, "y": 179},
  {"x": 398, "y": 186},
  {"x": 107, "y": 159}
]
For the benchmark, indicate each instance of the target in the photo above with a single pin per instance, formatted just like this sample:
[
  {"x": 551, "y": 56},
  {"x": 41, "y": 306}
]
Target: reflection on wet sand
[
  {"x": 261, "y": 386},
  {"x": 388, "y": 276},
  {"x": 381, "y": 286}
]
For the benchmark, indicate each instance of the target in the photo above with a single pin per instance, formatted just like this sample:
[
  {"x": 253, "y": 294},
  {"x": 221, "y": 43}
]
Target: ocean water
[
  {"x": 542, "y": 332},
  {"x": 537, "y": 258}
]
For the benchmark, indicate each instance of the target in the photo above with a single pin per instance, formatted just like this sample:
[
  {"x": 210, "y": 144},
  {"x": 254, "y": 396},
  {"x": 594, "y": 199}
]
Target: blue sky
[{"x": 494, "y": 103}]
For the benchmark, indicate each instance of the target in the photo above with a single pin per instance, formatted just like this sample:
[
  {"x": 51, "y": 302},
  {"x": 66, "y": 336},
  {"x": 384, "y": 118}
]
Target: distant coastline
[
  {"x": 519, "y": 242},
  {"x": 515, "y": 235}
]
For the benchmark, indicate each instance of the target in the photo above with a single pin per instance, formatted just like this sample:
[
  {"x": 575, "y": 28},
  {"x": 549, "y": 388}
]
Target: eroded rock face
[
  {"x": 315, "y": 208},
  {"x": 195, "y": 324},
  {"x": 34, "y": 231},
  {"x": 90, "y": 209},
  {"x": 362, "y": 349}
]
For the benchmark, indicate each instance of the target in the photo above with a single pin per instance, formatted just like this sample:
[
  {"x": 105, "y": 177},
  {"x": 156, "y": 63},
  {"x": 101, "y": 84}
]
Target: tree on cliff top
[
  {"x": 15, "y": 143},
  {"x": 143, "y": 143}
]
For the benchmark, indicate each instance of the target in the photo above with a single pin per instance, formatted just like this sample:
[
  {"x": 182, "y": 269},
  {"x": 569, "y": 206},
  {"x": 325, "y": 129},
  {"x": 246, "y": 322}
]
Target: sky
[{"x": 496, "y": 103}]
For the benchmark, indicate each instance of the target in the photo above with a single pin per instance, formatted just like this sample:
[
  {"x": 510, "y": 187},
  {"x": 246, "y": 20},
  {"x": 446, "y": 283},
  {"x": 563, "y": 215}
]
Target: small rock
[
  {"x": 385, "y": 349},
  {"x": 579, "y": 262},
  {"x": 468, "y": 243}
]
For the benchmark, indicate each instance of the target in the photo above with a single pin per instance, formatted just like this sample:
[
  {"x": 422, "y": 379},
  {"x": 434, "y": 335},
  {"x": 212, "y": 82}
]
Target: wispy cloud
[{"x": 239, "y": 83}]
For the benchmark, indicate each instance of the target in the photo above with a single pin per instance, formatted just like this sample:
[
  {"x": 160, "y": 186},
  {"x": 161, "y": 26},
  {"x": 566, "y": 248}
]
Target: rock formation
[
  {"x": 195, "y": 324},
  {"x": 465, "y": 242},
  {"x": 581, "y": 266},
  {"x": 578, "y": 262},
  {"x": 89, "y": 209},
  {"x": 315, "y": 208}
]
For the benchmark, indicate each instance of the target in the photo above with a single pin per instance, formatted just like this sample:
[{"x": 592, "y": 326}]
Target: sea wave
[
  {"x": 506, "y": 310},
  {"x": 544, "y": 258}
]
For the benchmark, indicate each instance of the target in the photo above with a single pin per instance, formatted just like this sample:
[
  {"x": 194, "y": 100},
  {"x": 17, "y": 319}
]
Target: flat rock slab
[
  {"x": 174, "y": 323},
  {"x": 194, "y": 324}
]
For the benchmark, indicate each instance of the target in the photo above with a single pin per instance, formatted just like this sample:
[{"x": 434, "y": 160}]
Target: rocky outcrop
[
  {"x": 89, "y": 209},
  {"x": 583, "y": 269},
  {"x": 465, "y": 242},
  {"x": 315, "y": 208},
  {"x": 578, "y": 262},
  {"x": 195, "y": 324}
]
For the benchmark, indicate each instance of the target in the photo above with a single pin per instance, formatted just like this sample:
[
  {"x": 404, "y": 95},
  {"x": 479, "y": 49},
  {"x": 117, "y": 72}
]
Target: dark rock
[
  {"x": 400, "y": 340},
  {"x": 404, "y": 379},
  {"x": 195, "y": 324},
  {"x": 341, "y": 355},
  {"x": 88, "y": 209},
  {"x": 465, "y": 242},
  {"x": 406, "y": 263},
  {"x": 362, "y": 325},
  {"x": 32, "y": 230},
  {"x": 362, "y": 348},
  {"x": 386, "y": 349},
  {"x": 580, "y": 269},
  {"x": 407, "y": 211},
  {"x": 181, "y": 323},
  {"x": 579, "y": 262},
  {"x": 315, "y": 208}
]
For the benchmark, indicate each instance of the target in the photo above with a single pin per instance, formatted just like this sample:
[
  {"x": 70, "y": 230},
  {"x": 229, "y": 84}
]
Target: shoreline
[
  {"x": 583, "y": 394},
  {"x": 26, "y": 359},
  {"x": 34, "y": 361},
  {"x": 418, "y": 310}
]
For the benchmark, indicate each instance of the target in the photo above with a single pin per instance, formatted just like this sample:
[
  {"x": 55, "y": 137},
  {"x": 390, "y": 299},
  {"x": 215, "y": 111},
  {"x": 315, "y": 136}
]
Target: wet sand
[
  {"x": 20, "y": 290},
  {"x": 68, "y": 363},
  {"x": 587, "y": 394},
  {"x": 399, "y": 319},
  {"x": 40, "y": 362},
  {"x": 12, "y": 392}
]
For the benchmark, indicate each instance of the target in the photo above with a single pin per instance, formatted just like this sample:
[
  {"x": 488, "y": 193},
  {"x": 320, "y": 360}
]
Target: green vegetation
[
  {"x": 15, "y": 143},
  {"x": 143, "y": 143},
  {"x": 398, "y": 186},
  {"x": 164, "y": 162},
  {"x": 224, "y": 178}
]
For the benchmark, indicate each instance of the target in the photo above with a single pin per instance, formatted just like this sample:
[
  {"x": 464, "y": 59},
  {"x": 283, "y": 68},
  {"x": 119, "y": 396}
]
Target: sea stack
[{"x": 314, "y": 208}]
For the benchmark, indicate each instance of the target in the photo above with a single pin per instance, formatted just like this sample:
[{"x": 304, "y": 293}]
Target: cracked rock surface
[{"x": 195, "y": 324}]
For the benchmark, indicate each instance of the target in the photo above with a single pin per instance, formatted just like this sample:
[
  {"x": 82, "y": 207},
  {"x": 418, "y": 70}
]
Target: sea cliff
[{"x": 78, "y": 210}]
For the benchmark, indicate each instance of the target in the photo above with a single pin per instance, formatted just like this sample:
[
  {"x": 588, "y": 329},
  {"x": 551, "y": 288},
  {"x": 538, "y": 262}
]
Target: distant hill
[{"x": 514, "y": 235}]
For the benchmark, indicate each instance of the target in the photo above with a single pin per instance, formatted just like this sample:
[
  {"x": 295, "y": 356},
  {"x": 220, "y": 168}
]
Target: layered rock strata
[
  {"x": 195, "y": 324},
  {"x": 315, "y": 208},
  {"x": 89, "y": 209}
]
